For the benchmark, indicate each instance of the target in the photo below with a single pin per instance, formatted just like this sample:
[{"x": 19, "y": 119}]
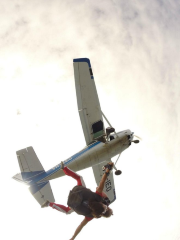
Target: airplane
[{"x": 101, "y": 144}]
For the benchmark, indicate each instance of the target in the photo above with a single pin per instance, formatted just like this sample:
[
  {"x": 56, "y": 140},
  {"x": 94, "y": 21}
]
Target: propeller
[
  {"x": 138, "y": 137},
  {"x": 118, "y": 172},
  {"x": 108, "y": 131},
  {"x": 136, "y": 141}
]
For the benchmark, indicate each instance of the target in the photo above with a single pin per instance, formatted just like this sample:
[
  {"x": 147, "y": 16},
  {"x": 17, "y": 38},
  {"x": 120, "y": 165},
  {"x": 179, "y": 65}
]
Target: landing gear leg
[{"x": 117, "y": 172}]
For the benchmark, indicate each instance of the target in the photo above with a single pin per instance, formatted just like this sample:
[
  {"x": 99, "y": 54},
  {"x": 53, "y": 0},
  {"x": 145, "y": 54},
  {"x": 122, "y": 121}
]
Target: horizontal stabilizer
[
  {"x": 29, "y": 163},
  {"x": 42, "y": 192}
]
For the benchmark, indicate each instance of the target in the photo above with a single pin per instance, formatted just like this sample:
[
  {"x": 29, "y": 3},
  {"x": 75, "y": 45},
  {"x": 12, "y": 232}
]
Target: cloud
[{"x": 133, "y": 47}]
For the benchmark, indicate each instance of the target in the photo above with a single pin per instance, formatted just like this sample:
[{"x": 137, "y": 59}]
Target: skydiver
[{"x": 83, "y": 201}]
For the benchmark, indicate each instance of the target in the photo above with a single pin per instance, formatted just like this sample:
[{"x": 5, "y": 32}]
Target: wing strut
[{"x": 107, "y": 120}]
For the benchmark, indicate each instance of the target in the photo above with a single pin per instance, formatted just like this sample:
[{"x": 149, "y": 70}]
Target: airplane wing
[
  {"x": 109, "y": 187},
  {"x": 88, "y": 101}
]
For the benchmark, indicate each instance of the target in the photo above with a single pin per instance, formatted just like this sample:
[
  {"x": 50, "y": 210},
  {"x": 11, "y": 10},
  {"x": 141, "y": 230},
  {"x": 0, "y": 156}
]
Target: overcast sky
[{"x": 134, "y": 47}]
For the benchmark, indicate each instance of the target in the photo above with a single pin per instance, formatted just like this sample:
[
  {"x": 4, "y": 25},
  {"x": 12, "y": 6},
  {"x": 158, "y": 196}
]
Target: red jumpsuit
[{"x": 80, "y": 182}]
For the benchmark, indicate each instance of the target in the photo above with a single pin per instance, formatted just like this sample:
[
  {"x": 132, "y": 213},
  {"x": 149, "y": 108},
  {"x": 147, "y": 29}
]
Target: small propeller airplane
[{"x": 101, "y": 144}]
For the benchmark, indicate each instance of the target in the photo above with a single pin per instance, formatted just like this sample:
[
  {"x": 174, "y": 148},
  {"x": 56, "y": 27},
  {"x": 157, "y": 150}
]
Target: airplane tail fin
[{"x": 31, "y": 167}]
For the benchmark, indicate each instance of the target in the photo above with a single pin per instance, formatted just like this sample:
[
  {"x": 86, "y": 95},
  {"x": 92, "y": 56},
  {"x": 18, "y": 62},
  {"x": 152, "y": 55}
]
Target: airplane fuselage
[{"x": 91, "y": 155}]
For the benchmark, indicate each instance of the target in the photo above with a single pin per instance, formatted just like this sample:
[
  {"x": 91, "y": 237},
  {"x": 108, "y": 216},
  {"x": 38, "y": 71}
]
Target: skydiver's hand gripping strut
[
  {"x": 104, "y": 177},
  {"x": 107, "y": 167}
]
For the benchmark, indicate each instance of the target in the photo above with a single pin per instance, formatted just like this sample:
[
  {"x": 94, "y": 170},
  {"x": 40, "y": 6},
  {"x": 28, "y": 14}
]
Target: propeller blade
[{"x": 137, "y": 137}]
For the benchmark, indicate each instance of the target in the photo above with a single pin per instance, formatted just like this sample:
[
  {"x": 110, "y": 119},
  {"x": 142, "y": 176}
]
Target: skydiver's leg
[
  {"x": 61, "y": 208},
  {"x": 80, "y": 181}
]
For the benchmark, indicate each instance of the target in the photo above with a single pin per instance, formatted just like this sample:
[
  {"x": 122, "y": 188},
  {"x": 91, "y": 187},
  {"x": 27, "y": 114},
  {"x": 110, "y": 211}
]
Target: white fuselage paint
[{"x": 92, "y": 155}]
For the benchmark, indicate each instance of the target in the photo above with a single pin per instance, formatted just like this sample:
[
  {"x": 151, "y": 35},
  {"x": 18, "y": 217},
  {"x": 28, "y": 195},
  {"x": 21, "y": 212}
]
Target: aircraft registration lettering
[
  {"x": 108, "y": 185},
  {"x": 57, "y": 166}
]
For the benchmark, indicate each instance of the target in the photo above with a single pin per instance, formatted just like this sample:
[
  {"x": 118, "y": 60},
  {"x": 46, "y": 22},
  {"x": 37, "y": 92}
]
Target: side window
[{"x": 97, "y": 129}]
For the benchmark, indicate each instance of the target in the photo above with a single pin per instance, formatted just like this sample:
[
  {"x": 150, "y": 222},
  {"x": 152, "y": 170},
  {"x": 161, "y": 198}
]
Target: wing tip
[{"x": 83, "y": 60}]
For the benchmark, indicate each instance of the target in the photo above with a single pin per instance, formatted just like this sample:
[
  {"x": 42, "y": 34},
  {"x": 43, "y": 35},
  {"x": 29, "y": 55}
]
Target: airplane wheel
[{"x": 118, "y": 172}]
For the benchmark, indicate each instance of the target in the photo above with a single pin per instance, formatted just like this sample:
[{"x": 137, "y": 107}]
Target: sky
[{"x": 133, "y": 47}]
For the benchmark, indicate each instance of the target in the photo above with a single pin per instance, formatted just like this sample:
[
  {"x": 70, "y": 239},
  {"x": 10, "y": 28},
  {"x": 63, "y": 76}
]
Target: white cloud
[{"x": 133, "y": 47}]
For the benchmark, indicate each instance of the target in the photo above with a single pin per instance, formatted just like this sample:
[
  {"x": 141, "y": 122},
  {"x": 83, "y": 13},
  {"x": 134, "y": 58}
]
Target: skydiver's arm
[
  {"x": 79, "y": 228},
  {"x": 101, "y": 184},
  {"x": 103, "y": 179},
  {"x": 103, "y": 194}
]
